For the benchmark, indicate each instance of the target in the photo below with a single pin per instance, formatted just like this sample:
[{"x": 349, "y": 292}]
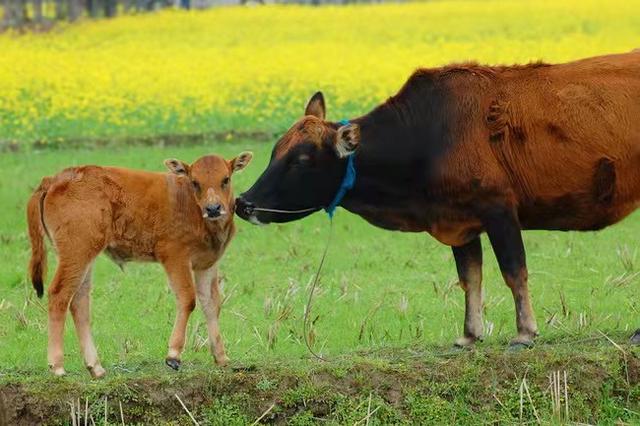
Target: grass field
[
  {"x": 379, "y": 291},
  {"x": 388, "y": 306},
  {"x": 250, "y": 69}
]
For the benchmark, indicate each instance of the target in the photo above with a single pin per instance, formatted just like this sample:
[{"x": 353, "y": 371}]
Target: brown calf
[{"x": 182, "y": 219}]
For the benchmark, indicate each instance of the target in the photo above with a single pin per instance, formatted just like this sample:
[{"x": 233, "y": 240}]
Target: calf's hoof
[
  {"x": 173, "y": 363},
  {"x": 97, "y": 372},
  {"x": 57, "y": 371},
  {"x": 222, "y": 361},
  {"x": 635, "y": 339}
]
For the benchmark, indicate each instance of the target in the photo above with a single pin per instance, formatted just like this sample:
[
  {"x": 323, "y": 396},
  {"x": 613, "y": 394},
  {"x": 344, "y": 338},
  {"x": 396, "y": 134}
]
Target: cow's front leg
[
  {"x": 181, "y": 282},
  {"x": 469, "y": 265},
  {"x": 207, "y": 283},
  {"x": 503, "y": 229}
]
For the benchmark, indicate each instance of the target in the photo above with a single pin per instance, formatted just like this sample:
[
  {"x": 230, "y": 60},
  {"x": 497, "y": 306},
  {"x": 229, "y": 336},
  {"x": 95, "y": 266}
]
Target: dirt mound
[{"x": 394, "y": 386}]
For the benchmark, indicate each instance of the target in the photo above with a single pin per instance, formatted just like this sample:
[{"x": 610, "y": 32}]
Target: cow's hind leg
[
  {"x": 181, "y": 282},
  {"x": 208, "y": 290},
  {"x": 81, "y": 312},
  {"x": 469, "y": 265},
  {"x": 504, "y": 233}
]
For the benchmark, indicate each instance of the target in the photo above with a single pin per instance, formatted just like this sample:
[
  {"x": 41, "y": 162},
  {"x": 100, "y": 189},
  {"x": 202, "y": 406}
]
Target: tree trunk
[
  {"x": 37, "y": 11},
  {"x": 7, "y": 18},
  {"x": 60, "y": 10},
  {"x": 110, "y": 8},
  {"x": 92, "y": 8},
  {"x": 74, "y": 10},
  {"x": 15, "y": 13}
]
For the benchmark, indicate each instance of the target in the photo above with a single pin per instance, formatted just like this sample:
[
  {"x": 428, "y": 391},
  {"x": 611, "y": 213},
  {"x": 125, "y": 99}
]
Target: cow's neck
[{"x": 390, "y": 171}]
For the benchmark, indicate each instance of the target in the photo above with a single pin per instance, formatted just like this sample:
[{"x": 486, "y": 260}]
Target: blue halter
[{"x": 348, "y": 181}]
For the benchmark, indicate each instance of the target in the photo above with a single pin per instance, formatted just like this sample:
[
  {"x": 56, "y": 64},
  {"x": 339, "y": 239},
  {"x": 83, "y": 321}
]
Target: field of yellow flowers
[{"x": 252, "y": 68}]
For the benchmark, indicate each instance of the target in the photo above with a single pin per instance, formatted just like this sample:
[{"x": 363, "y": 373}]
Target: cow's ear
[
  {"x": 177, "y": 167},
  {"x": 347, "y": 139},
  {"x": 316, "y": 107},
  {"x": 241, "y": 161}
]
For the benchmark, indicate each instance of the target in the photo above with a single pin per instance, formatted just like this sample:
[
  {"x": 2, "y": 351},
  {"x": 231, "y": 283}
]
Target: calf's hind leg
[
  {"x": 208, "y": 291},
  {"x": 66, "y": 282},
  {"x": 181, "y": 282},
  {"x": 469, "y": 265},
  {"x": 81, "y": 312},
  {"x": 503, "y": 229}
]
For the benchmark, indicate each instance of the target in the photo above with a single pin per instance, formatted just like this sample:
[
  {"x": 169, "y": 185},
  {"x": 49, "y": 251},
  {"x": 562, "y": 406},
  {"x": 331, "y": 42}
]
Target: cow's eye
[
  {"x": 303, "y": 160},
  {"x": 225, "y": 181},
  {"x": 196, "y": 185}
]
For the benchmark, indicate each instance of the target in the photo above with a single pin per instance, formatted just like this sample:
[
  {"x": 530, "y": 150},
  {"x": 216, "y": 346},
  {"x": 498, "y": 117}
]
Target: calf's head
[
  {"x": 210, "y": 182},
  {"x": 306, "y": 167}
]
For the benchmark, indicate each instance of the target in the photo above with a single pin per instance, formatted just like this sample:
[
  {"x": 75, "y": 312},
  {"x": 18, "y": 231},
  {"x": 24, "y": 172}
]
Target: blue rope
[{"x": 348, "y": 181}]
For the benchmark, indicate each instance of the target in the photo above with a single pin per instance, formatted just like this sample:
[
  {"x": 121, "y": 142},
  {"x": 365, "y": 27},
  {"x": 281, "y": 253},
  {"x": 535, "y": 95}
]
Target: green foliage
[
  {"x": 224, "y": 412},
  {"x": 251, "y": 69}
]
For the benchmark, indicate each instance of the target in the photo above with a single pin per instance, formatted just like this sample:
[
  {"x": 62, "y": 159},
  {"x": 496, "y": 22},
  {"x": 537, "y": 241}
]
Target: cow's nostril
[{"x": 244, "y": 207}]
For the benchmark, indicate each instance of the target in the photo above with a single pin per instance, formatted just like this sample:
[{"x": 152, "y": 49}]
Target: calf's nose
[{"x": 213, "y": 210}]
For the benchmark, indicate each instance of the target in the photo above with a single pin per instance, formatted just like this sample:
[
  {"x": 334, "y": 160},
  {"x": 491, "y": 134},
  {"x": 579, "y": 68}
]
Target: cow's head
[
  {"x": 305, "y": 170},
  {"x": 210, "y": 182}
]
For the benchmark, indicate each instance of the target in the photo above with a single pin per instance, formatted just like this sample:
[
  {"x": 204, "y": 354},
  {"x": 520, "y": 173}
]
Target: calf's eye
[{"x": 225, "y": 181}]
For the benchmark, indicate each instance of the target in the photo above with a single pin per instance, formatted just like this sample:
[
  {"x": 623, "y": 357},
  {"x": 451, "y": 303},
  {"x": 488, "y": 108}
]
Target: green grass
[{"x": 380, "y": 291}]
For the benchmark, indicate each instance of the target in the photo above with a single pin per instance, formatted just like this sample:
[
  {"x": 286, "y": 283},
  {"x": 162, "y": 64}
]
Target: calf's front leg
[
  {"x": 469, "y": 265},
  {"x": 503, "y": 229},
  {"x": 208, "y": 290},
  {"x": 181, "y": 282}
]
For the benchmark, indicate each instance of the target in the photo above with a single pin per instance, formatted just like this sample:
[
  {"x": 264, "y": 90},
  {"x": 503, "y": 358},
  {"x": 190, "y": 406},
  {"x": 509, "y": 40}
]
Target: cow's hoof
[
  {"x": 519, "y": 346},
  {"x": 466, "y": 342},
  {"x": 635, "y": 339},
  {"x": 97, "y": 372},
  {"x": 173, "y": 363}
]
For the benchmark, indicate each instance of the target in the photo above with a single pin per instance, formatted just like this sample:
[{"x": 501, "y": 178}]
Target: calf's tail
[{"x": 37, "y": 230}]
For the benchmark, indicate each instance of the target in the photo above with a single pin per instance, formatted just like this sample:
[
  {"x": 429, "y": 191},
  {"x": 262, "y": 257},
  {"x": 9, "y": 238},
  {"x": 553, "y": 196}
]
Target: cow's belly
[
  {"x": 573, "y": 213},
  {"x": 455, "y": 233},
  {"x": 450, "y": 226}
]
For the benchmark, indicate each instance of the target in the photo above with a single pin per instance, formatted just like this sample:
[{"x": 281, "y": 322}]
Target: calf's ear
[
  {"x": 241, "y": 161},
  {"x": 347, "y": 139},
  {"x": 315, "y": 106},
  {"x": 177, "y": 167}
]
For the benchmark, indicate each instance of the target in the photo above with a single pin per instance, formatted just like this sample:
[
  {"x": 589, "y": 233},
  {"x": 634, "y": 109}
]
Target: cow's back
[{"x": 567, "y": 137}]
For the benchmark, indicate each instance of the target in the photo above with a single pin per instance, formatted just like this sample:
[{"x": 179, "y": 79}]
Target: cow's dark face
[{"x": 304, "y": 173}]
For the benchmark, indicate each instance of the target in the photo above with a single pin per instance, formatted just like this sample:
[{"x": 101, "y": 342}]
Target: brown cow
[
  {"x": 182, "y": 219},
  {"x": 467, "y": 149}
]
